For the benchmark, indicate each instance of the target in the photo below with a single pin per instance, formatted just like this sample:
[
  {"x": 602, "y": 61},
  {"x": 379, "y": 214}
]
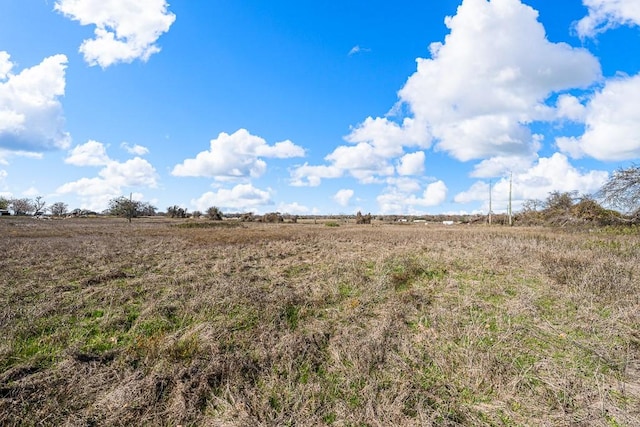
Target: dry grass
[{"x": 109, "y": 323}]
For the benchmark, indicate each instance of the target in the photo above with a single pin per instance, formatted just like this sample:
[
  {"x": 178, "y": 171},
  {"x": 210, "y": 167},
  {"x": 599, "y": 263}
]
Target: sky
[{"x": 316, "y": 107}]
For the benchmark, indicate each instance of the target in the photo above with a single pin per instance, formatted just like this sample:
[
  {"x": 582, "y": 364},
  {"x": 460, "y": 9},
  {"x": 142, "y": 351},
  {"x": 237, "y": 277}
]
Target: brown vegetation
[{"x": 110, "y": 323}]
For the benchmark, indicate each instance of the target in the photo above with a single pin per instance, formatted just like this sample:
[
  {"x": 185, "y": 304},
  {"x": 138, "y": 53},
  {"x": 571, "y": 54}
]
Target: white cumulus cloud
[
  {"x": 31, "y": 116},
  {"x": 238, "y": 155},
  {"x": 398, "y": 199},
  {"x": 606, "y": 14},
  {"x": 294, "y": 208},
  {"x": 342, "y": 197},
  {"x": 612, "y": 120},
  {"x": 91, "y": 153},
  {"x": 112, "y": 179},
  {"x": 495, "y": 74},
  {"x": 490, "y": 79},
  {"x": 126, "y": 30},
  {"x": 242, "y": 197},
  {"x": 411, "y": 164},
  {"x": 548, "y": 174},
  {"x": 311, "y": 176}
]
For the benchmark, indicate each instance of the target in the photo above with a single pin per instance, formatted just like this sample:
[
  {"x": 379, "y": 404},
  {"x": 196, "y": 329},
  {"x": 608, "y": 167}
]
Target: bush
[
  {"x": 363, "y": 219},
  {"x": 214, "y": 214}
]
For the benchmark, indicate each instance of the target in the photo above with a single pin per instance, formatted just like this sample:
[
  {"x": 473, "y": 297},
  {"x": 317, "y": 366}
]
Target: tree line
[{"x": 621, "y": 191}]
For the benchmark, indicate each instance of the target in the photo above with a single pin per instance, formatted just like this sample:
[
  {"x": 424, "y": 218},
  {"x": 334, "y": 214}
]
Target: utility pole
[
  {"x": 510, "y": 187},
  {"x": 490, "y": 209}
]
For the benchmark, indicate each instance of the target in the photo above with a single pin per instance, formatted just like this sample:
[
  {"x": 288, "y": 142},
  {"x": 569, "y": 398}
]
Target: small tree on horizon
[
  {"x": 214, "y": 214},
  {"x": 39, "y": 205},
  {"x": 363, "y": 219},
  {"x": 176, "y": 211},
  {"x": 58, "y": 209},
  {"x": 125, "y": 207},
  {"x": 21, "y": 206}
]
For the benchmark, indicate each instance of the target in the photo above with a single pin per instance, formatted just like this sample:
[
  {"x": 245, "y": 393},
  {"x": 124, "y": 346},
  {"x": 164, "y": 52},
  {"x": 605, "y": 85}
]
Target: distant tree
[
  {"x": 214, "y": 214},
  {"x": 363, "y": 219},
  {"x": 558, "y": 201},
  {"x": 4, "y": 203},
  {"x": 21, "y": 206},
  {"x": 532, "y": 205},
  {"x": 39, "y": 205},
  {"x": 147, "y": 209},
  {"x": 58, "y": 209},
  {"x": 247, "y": 217},
  {"x": 176, "y": 211},
  {"x": 125, "y": 207},
  {"x": 622, "y": 190},
  {"x": 196, "y": 214},
  {"x": 273, "y": 217}
]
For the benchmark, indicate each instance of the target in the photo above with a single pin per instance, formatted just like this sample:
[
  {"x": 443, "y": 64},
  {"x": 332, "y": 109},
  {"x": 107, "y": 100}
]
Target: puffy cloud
[
  {"x": 342, "y": 197},
  {"x": 490, "y": 79},
  {"x": 389, "y": 137},
  {"x": 612, "y": 123},
  {"x": 235, "y": 156},
  {"x": 31, "y": 117},
  {"x": 362, "y": 161},
  {"x": 554, "y": 173},
  {"x": 606, "y": 14},
  {"x": 280, "y": 150},
  {"x": 136, "y": 149},
  {"x": 311, "y": 176},
  {"x": 435, "y": 194},
  {"x": 243, "y": 197},
  {"x": 500, "y": 165},
  {"x": 395, "y": 200},
  {"x": 125, "y": 29},
  {"x": 569, "y": 107},
  {"x": 411, "y": 164},
  {"x": 475, "y": 97},
  {"x": 375, "y": 143},
  {"x": 133, "y": 172},
  {"x": 112, "y": 179},
  {"x": 294, "y": 208},
  {"x": 91, "y": 153},
  {"x": 5, "y": 64}
]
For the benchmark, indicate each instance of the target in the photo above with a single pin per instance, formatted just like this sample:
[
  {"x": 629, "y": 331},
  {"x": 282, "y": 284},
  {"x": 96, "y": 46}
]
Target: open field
[{"x": 109, "y": 323}]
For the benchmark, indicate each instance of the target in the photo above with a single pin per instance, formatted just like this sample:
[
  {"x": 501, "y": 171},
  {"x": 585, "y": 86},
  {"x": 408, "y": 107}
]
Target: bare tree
[
  {"x": 38, "y": 205},
  {"x": 559, "y": 201},
  {"x": 58, "y": 209},
  {"x": 622, "y": 190},
  {"x": 21, "y": 206}
]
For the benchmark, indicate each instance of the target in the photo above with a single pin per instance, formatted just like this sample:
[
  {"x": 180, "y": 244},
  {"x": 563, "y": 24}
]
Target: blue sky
[{"x": 316, "y": 107}]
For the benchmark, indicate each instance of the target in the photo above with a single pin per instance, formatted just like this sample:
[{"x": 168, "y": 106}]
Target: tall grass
[{"x": 109, "y": 323}]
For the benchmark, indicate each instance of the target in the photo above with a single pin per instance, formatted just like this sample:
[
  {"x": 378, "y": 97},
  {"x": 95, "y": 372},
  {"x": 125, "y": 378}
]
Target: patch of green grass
[
  {"x": 185, "y": 349},
  {"x": 296, "y": 270},
  {"x": 292, "y": 316}
]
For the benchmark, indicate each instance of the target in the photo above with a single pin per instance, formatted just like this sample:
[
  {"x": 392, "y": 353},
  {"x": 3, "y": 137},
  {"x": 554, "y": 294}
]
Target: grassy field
[{"x": 157, "y": 323}]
